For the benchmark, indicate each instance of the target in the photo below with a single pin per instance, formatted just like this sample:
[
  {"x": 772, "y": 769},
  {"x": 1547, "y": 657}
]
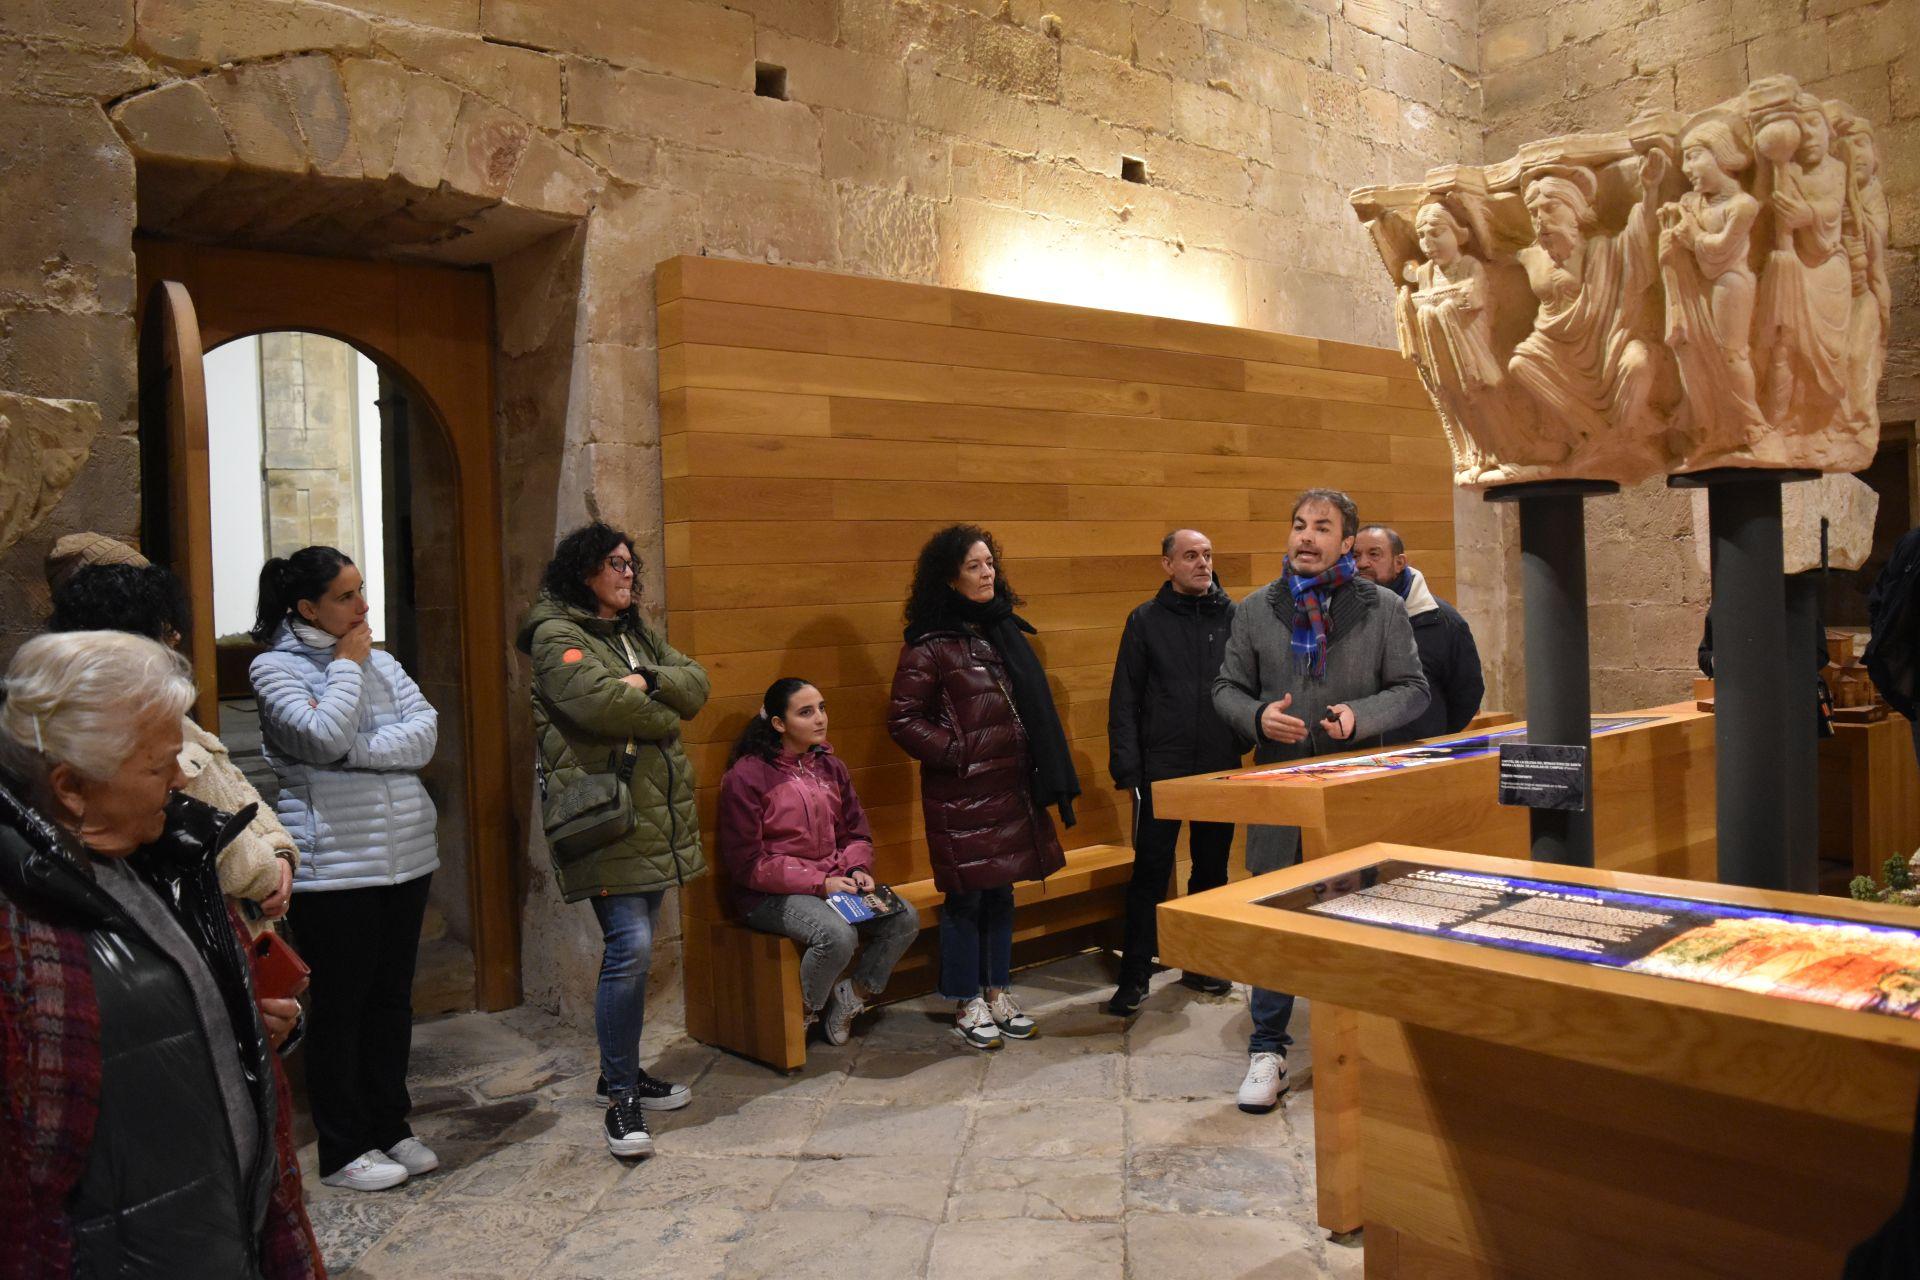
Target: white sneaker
[
  {"x": 1013, "y": 1024},
  {"x": 414, "y": 1156},
  {"x": 369, "y": 1172},
  {"x": 974, "y": 1024},
  {"x": 1266, "y": 1081},
  {"x": 843, "y": 1006}
]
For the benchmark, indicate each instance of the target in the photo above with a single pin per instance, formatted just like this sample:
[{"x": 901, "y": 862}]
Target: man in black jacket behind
[
  {"x": 1161, "y": 724},
  {"x": 1448, "y": 655}
]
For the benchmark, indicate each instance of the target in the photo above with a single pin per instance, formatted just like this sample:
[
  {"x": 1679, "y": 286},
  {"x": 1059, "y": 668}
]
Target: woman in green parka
[{"x": 603, "y": 679}]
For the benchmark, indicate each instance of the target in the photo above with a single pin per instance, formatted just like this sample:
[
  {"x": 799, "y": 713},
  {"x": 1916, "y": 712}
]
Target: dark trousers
[
  {"x": 1154, "y": 844},
  {"x": 361, "y": 945},
  {"x": 976, "y": 942}
]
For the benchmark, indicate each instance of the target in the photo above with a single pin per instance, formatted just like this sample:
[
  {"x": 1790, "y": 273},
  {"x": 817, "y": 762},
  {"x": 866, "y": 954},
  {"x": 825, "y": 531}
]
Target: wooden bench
[{"x": 743, "y": 986}]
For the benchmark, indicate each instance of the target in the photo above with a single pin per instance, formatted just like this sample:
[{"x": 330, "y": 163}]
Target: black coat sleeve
[
  {"x": 1123, "y": 707},
  {"x": 1466, "y": 686}
]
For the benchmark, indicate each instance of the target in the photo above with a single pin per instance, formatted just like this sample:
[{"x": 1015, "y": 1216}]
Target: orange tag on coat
[{"x": 572, "y": 655}]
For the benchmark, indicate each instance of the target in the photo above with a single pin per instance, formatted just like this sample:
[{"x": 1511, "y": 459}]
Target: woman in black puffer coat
[
  {"x": 971, "y": 704},
  {"x": 144, "y": 1123}
]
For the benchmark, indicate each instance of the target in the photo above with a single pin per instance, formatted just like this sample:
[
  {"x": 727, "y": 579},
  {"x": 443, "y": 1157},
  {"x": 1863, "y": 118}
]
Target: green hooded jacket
[{"x": 578, "y": 667}]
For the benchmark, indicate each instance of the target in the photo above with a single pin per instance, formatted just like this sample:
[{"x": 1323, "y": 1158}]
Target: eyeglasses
[{"x": 620, "y": 565}]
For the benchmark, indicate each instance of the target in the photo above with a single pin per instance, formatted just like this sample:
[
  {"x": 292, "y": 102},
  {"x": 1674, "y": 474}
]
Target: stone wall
[
  {"x": 572, "y": 144},
  {"x": 310, "y": 448},
  {"x": 1570, "y": 65}
]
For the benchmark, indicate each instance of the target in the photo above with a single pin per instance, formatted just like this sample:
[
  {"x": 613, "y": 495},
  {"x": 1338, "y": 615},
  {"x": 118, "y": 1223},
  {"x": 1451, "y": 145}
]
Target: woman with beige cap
[{"x": 100, "y": 584}]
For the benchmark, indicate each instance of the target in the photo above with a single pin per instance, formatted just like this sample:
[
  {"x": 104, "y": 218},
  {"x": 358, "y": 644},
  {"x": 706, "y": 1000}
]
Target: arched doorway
[{"x": 429, "y": 331}]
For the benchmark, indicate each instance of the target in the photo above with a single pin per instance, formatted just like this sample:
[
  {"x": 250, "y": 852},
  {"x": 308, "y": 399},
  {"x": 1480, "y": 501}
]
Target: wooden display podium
[
  {"x": 1653, "y": 791},
  {"x": 1653, "y": 795},
  {"x": 1526, "y": 1116},
  {"x": 1869, "y": 793}
]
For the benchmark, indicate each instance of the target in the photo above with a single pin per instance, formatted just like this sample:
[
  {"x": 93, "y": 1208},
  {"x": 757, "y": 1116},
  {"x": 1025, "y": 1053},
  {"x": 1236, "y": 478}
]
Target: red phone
[{"x": 278, "y": 969}]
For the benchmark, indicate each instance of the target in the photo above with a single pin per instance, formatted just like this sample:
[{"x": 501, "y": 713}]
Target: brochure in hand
[{"x": 858, "y": 908}]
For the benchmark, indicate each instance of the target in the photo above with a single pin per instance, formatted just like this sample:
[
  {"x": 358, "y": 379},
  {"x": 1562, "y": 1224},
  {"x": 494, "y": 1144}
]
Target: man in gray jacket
[{"x": 1320, "y": 661}]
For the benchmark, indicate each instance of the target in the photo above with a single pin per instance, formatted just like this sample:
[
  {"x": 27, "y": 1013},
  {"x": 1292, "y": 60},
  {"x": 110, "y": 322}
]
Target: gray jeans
[{"x": 827, "y": 942}]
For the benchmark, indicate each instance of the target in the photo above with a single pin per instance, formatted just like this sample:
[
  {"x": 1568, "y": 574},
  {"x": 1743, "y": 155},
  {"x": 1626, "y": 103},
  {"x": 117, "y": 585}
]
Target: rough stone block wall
[{"x": 1569, "y": 65}]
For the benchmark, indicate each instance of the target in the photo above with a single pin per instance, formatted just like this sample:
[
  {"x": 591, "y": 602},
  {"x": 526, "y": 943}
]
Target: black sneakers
[
  {"x": 653, "y": 1094},
  {"x": 627, "y": 1128},
  {"x": 1206, "y": 985},
  {"x": 1128, "y": 997}
]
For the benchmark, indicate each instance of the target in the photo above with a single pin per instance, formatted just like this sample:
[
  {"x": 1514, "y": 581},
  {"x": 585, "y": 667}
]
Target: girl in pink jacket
[{"x": 791, "y": 832}]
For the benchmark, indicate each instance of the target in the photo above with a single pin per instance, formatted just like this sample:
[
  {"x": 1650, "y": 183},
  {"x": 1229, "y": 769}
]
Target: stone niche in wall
[{"x": 1694, "y": 291}]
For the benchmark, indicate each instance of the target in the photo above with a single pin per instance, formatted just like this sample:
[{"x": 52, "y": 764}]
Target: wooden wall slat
[
  {"x": 779, "y": 329},
  {"x": 815, "y": 429}
]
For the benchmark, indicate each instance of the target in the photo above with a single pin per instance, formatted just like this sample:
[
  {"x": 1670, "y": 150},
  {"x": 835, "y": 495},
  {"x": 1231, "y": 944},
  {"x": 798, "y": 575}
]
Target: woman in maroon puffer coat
[{"x": 970, "y": 702}]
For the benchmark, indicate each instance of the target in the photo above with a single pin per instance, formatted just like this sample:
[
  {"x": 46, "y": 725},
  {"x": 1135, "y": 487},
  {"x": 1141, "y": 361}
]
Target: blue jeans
[
  {"x": 1271, "y": 1010},
  {"x": 619, "y": 1006},
  {"x": 1270, "y": 849},
  {"x": 976, "y": 942}
]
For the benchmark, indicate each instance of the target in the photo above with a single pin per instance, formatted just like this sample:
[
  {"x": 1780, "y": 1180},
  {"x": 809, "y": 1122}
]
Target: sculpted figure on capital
[
  {"x": 1694, "y": 291},
  {"x": 1445, "y": 321},
  {"x": 1586, "y": 363},
  {"x": 1705, "y": 241}
]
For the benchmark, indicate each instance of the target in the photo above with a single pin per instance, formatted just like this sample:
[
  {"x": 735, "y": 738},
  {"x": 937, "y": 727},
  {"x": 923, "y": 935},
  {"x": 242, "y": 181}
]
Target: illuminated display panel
[{"x": 1794, "y": 956}]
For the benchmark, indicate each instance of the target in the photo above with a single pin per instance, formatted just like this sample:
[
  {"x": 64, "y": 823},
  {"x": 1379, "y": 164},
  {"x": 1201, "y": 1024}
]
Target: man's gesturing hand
[{"x": 1277, "y": 726}]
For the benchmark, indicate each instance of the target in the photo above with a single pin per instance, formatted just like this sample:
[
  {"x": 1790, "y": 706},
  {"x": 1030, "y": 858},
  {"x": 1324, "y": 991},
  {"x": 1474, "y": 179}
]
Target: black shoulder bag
[{"x": 597, "y": 810}]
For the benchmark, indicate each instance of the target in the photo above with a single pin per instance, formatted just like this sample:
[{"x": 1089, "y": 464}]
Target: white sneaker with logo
[
  {"x": 371, "y": 1171},
  {"x": 1266, "y": 1081},
  {"x": 413, "y": 1155}
]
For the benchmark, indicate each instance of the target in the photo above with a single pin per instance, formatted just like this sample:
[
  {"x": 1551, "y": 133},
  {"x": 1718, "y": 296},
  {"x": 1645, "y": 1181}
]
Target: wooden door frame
[
  {"x": 174, "y": 458},
  {"x": 432, "y": 327}
]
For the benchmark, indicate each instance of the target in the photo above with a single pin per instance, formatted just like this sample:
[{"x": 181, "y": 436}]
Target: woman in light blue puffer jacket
[{"x": 347, "y": 732}]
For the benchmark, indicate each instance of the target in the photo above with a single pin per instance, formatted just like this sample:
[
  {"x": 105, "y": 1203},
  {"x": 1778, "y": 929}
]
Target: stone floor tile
[
  {"x": 908, "y": 1186},
  {"x": 1217, "y": 1180},
  {"x": 567, "y": 1122},
  {"x": 434, "y": 1099},
  {"x": 1047, "y": 1130},
  {"x": 1029, "y": 1071},
  {"x": 923, "y": 1025},
  {"x": 735, "y": 1077},
  {"x": 534, "y": 1073},
  {"x": 720, "y": 1126},
  {"x": 1218, "y": 1123},
  {"x": 830, "y": 1245},
  {"x": 689, "y": 1242},
  {"x": 683, "y": 1061},
  {"x": 861, "y": 1129},
  {"x": 1082, "y": 1026},
  {"x": 888, "y": 1075},
  {"x": 1018, "y": 1249},
  {"x": 1075, "y": 1190},
  {"x": 494, "y": 1174},
  {"x": 1178, "y": 1077},
  {"x": 473, "y": 1239},
  {"x": 1212, "y": 1028},
  {"x": 1089, "y": 969},
  {"x": 1163, "y": 1245},
  {"x": 462, "y": 1047},
  {"x": 747, "y": 1183},
  {"x": 347, "y": 1229},
  {"x": 577, "y": 1176}
]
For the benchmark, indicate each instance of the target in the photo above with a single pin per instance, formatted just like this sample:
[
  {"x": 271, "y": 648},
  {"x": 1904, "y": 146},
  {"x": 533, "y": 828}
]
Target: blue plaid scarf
[{"x": 1311, "y": 626}]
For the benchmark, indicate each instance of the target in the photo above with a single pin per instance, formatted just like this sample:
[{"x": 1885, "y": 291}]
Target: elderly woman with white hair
[{"x": 142, "y": 1111}]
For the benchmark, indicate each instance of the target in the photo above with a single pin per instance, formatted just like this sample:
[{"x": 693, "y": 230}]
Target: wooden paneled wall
[{"x": 817, "y": 428}]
